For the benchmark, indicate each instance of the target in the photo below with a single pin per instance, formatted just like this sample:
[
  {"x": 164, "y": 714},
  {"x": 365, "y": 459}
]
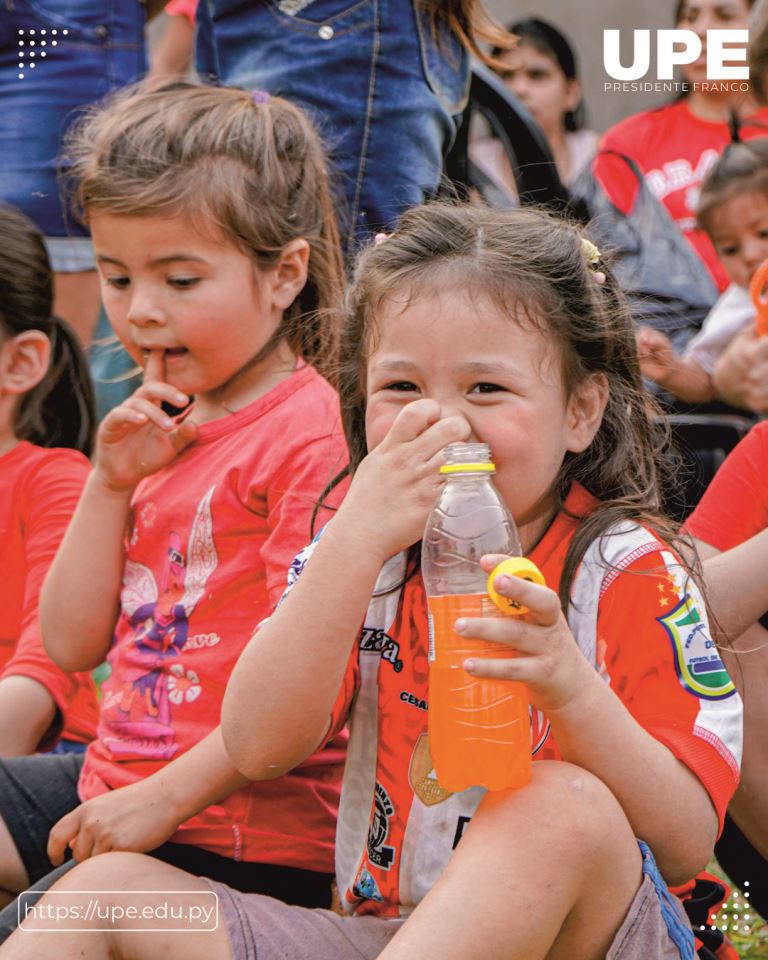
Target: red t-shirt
[
  {"x": 638, "y": 619},
  {"x": 210, "y": 539},
  {"x": 39, "y": 489},
  {"x": 735, "y": 504},
  {"x": 675, "y": 150}
]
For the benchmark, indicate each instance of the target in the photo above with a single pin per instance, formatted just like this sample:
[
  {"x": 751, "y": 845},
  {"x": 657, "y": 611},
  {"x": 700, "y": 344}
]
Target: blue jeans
[
  {"x": 98, "y": 46},
  {"x": 385, "y": 95}
]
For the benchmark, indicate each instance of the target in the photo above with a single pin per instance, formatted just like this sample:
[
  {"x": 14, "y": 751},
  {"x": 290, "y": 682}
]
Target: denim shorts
[
  {"x": 655, "y": 927},
  {"x": 56, "y": 57},
  {"x": 385, "y": 93}
]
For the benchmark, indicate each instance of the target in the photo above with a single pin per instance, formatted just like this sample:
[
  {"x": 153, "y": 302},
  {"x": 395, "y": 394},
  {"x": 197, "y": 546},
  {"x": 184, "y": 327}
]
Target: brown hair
[
  {"x": 470, "y": 22},
  {"x": 252, "y": 166},
  {"x": 526, "y": 261},
  {"x": 60, "y": 410},
  {"x": 741, "y": 168}
]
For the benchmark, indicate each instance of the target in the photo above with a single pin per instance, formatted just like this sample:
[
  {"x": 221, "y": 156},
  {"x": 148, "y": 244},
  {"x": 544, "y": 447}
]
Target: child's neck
[
  {"x": 8, "y": 438},
  {"x": 247, "y": 385}
]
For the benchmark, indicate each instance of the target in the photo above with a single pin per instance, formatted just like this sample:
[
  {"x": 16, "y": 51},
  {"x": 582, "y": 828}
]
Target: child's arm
[
  {"x": 279, "y": 698},
  {"x": 80, "y": 599},
  {"x": 683, "y": 377},
  {"x": 593, "y": 729},
  {"x": 737, "y": 584},
  {"x": 143, "y": 815},
  {"x": 740, "y": 376},
  {"x": 35, "y": 693}
]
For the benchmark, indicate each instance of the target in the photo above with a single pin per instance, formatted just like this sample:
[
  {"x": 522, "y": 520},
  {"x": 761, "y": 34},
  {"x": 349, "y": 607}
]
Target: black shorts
[{"x": 37, "y": 791}]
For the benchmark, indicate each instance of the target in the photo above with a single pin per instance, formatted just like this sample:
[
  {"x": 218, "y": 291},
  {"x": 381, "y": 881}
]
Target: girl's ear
[
  {"x": 573, "y": 94},
  {"x": 586, "y": 406},
  {"x": 290, "y": 274},
  {"x": 24, "y": 361}
]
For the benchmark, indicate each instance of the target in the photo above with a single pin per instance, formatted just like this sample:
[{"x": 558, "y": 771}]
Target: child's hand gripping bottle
[{"x": 479, "y": 729}]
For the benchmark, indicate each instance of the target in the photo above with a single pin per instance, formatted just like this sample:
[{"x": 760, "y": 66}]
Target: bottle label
[{"x": 431, "y": 627}]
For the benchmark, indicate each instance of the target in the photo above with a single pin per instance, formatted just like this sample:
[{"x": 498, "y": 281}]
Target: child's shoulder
[{"x": 27, "y": 461}]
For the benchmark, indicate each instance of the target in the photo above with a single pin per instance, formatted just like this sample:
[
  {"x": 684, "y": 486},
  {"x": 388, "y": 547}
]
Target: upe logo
[{"x": 676, "y": 48}]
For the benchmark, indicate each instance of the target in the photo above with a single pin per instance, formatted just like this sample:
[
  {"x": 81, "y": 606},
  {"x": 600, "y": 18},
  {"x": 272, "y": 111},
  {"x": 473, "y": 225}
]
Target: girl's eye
[
  {"x": 487, "y": 388},
  {"x": 401, "y": 386},
  {"x": 727, "y": 251},
  {"x": 183, "y": 283},
  {"x": 120, "y": 283}
]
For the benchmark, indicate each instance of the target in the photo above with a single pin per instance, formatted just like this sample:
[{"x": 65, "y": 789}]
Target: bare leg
[
  {"x": 545, "y": 872},
  {"x": 77, "y": 299},
  {"x": 13, "y": 874},
  {"x": 124, "y": 872}
]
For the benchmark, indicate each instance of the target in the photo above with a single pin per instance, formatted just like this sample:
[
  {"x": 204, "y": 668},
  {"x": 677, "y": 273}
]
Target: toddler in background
[
  {"x": 46, "y": 431},
  {"x": 726, "y": 360},
  {"x": 221, "y": 274}
]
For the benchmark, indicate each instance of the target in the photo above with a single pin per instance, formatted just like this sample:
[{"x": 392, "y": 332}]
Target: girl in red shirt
[{"x": 46, "y": 427}]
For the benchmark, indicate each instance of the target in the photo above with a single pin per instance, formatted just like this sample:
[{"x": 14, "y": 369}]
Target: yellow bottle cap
[{"x": 514, "y": 567}]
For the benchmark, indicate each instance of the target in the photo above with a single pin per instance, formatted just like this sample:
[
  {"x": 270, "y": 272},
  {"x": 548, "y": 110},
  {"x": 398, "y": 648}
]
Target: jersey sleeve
[
  {"x": 735, "y": 504},
  {"x": 52, "y": 493},
  {"x": 655, "y": 648},
  {"x": 292, "y": 498}
]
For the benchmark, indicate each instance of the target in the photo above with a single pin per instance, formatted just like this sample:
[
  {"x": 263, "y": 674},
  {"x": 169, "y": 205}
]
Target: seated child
[
  {"x": 504, "y": 328},
  {"x": 725, "y": 360},
  {"x": 46, "y": 426},
  {"x": 221, "y": 274}
]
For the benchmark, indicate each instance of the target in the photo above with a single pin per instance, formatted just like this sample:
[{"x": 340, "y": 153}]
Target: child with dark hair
[
  {"x": 221, "y": 274},
  {"x": 46, "y": 430},
  {"x": 505, "y": 328},
  {"x": 726, "y": 360},
  {"x": 541, "y": 72}
]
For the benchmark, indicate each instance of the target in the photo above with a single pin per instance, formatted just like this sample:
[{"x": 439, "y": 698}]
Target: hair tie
[
  {"x": 592, "y": 255},
  {"x": 260, "y": 96}
]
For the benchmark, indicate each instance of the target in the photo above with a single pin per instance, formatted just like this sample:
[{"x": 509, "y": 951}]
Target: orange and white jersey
[{"x": 635, "y": 615}]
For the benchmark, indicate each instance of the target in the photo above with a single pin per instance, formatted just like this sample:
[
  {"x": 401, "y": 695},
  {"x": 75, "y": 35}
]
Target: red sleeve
[
  {"x": 610, "y": 171},
  {"x": 735, "y": 505},
  {"x": 655, "y": 649},
  {"x": 291, "y": 500},
  {"x": 182, "y": 8},
  {"x": 50, "y": 495}
]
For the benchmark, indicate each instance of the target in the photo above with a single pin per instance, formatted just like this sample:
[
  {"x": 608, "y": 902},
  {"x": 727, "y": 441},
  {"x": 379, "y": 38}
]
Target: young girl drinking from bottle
[
  {"x": 503, "y": 328},
  {"x": 220, "y": 264},
  {"x": 46, "y": 430}
]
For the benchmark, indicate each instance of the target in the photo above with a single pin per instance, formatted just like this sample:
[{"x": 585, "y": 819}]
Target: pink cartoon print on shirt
[{"x": 136, "y": 712}]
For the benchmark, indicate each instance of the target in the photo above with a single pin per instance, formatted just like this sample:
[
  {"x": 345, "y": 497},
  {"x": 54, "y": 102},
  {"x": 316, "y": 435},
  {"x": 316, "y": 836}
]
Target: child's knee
[
  {"x": 115, "y": 871},
  {"x": 566, "y": 802}
]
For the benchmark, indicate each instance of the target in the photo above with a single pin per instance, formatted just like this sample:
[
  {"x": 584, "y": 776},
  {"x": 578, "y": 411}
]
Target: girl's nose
[{"x": 144, "y": 311}]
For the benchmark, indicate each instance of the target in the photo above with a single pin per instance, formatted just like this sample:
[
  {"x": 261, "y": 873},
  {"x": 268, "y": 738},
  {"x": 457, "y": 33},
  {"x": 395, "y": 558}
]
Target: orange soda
[{"x": 479, "y": 729}]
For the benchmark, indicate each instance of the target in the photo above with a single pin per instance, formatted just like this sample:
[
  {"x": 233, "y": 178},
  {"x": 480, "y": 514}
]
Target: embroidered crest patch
[{"x": 697, "y": 660}]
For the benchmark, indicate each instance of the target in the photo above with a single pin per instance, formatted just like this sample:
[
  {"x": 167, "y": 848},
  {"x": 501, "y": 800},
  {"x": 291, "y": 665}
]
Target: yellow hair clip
[{"x": 590, "y": 251}]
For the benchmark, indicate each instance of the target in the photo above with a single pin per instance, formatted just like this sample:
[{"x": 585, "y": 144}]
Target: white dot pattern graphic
[{"x": 27, "y": 41}]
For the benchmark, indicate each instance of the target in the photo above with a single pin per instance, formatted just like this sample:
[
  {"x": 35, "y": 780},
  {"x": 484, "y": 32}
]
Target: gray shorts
[{"x": 261, "y": 928}]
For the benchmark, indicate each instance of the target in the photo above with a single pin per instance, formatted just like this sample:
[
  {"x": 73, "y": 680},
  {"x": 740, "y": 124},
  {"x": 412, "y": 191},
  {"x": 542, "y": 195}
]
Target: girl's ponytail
[{"x": 61, "y": 410}]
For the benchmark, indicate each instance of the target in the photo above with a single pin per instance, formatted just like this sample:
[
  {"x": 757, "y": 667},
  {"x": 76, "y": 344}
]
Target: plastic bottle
[{"x": 479, "y": 729}]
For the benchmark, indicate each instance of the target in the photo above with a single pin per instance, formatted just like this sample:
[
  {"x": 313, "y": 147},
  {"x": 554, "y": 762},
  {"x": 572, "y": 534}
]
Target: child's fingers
[
  {"x": 60, "y": 836},
  {"x": 521, "y": 636},
  {"x": 184, "y": 434},
  {"x": 153, "y": 413},
  {"x": 543, "y": 604},
  {"x": 413, "y": 420},
  {"x": 159, "y": 392},
  {"x": 154, "y": 371},
  {"x": 435, "y": 439}
]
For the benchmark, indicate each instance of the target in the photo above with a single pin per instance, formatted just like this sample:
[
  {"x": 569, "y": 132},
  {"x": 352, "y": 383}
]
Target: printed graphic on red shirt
[{"x": 137, "y": 714}]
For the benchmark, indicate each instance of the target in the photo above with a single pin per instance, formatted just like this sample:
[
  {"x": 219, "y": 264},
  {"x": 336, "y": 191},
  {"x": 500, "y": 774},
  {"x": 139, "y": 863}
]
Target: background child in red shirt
[
  {"x": 221, "y": 272},
  {"x": 46, "y": 428}
]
